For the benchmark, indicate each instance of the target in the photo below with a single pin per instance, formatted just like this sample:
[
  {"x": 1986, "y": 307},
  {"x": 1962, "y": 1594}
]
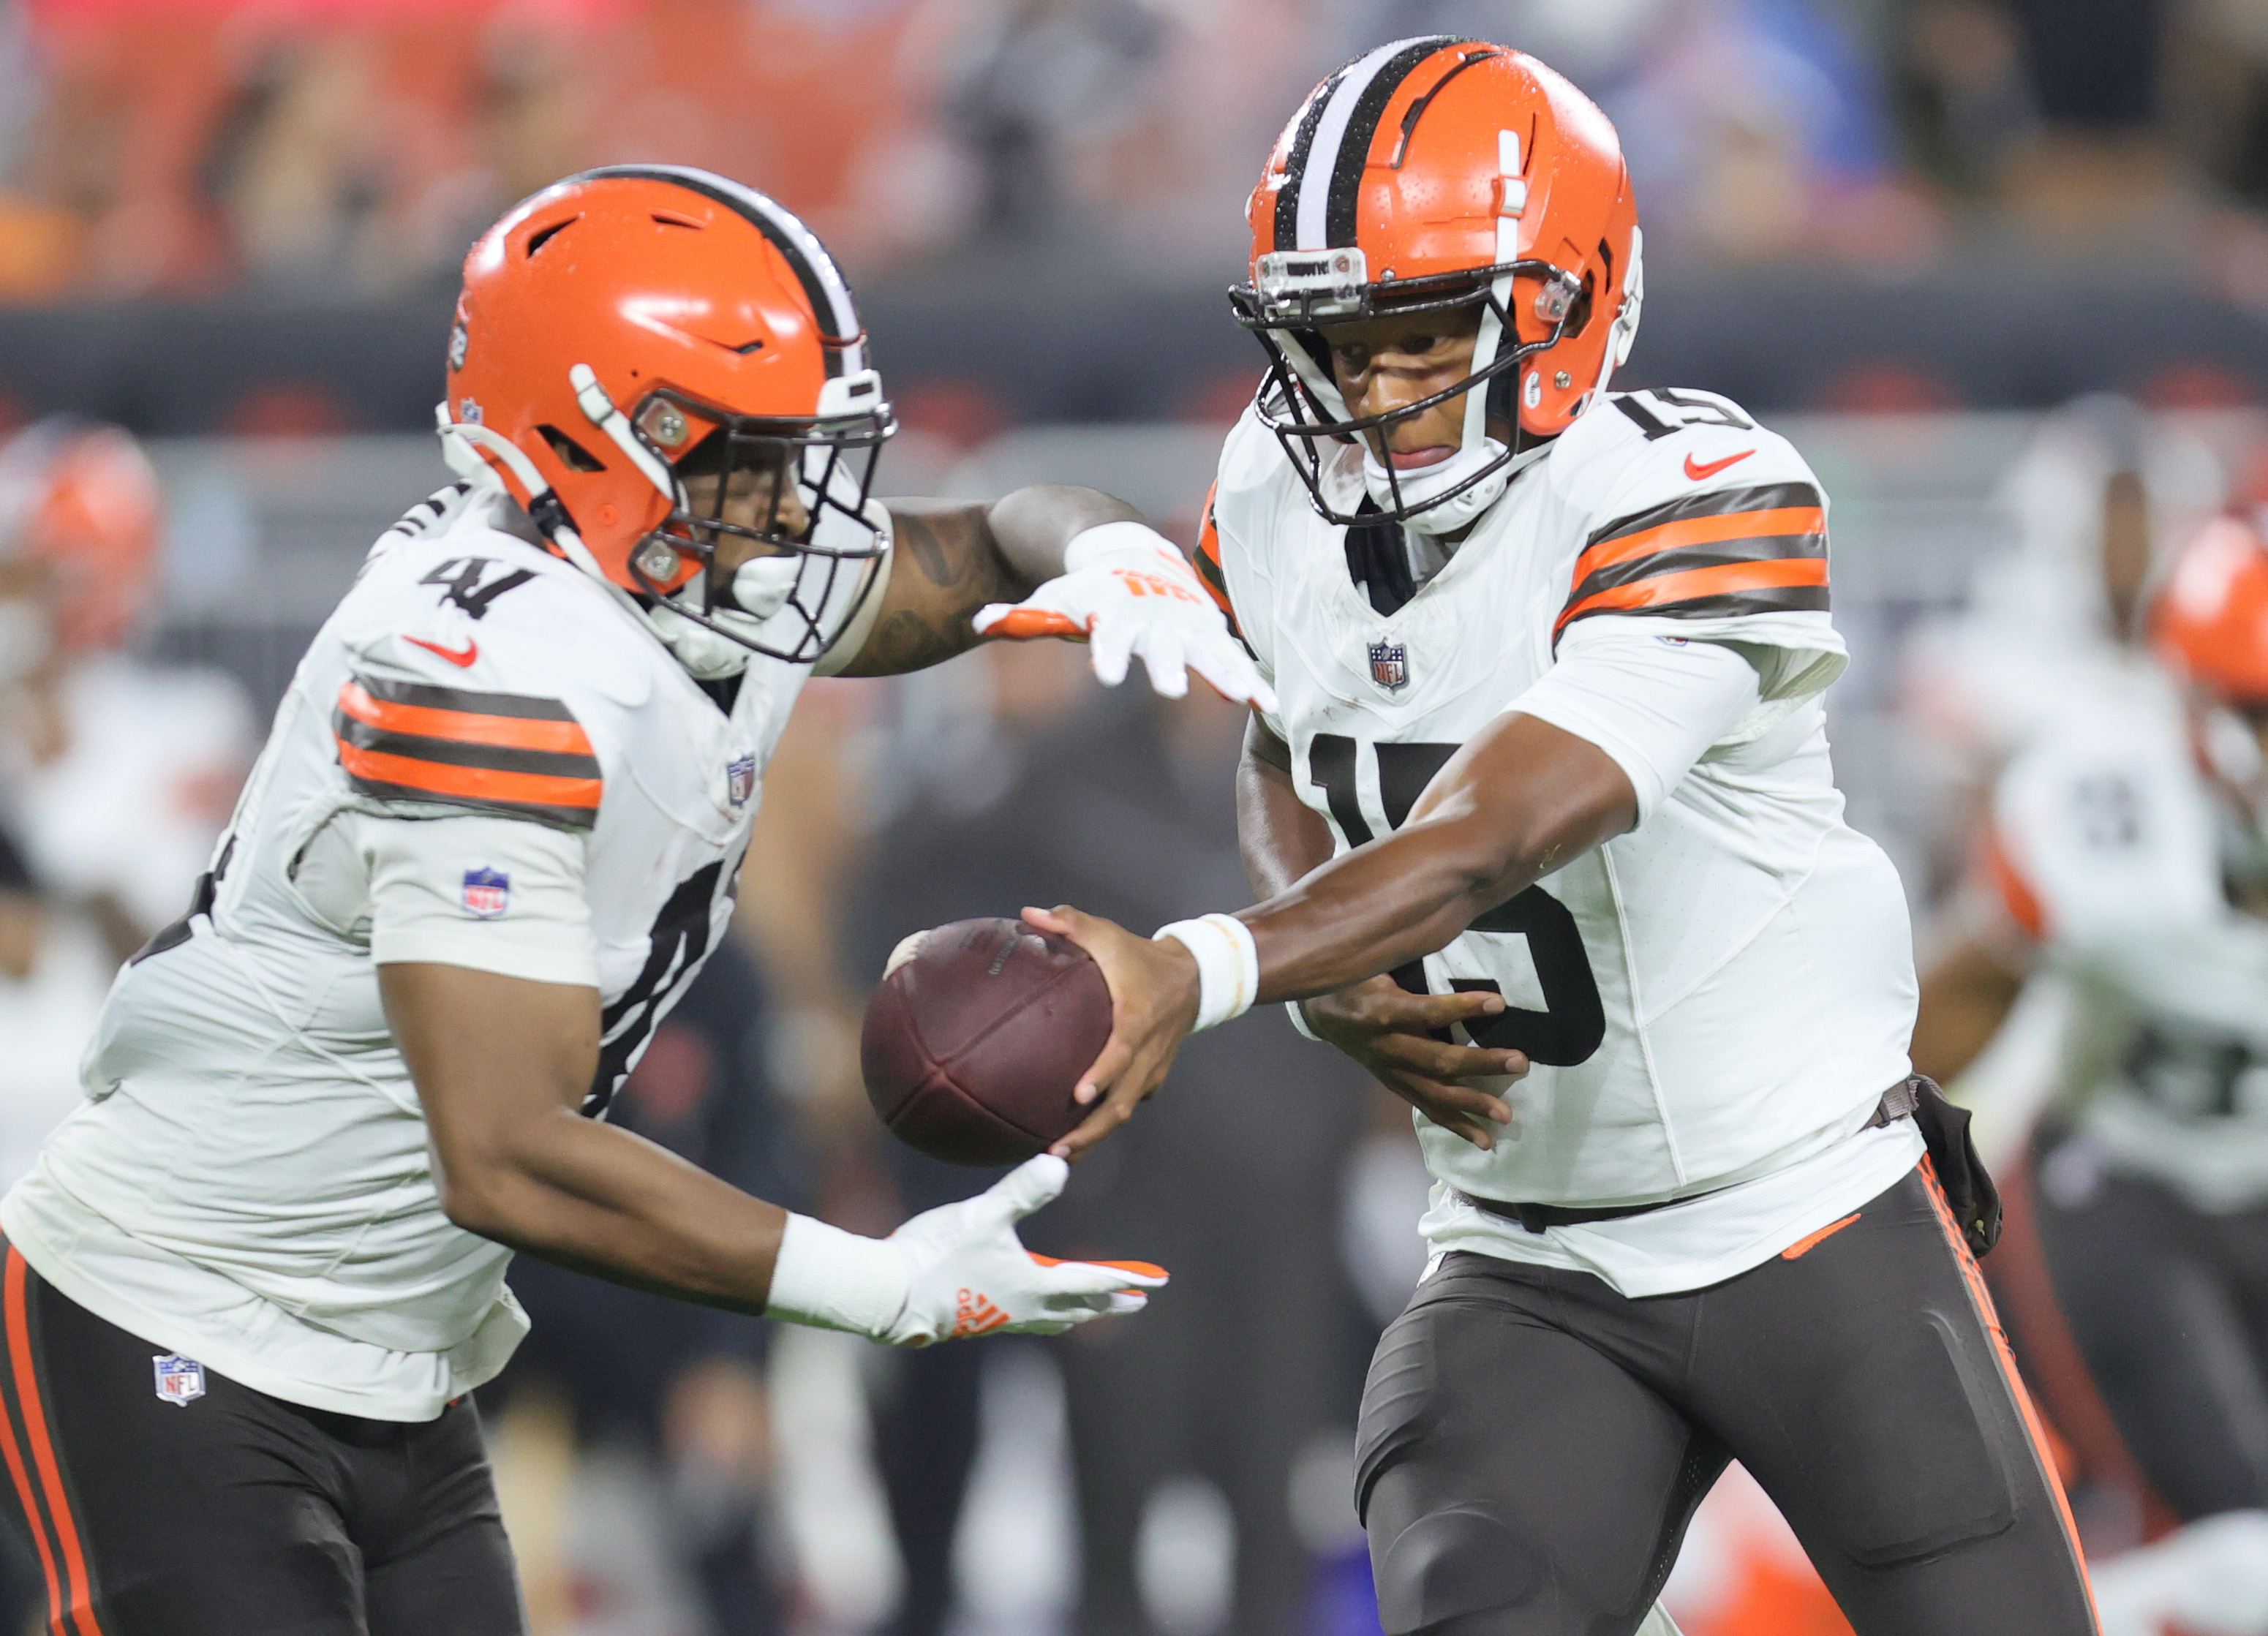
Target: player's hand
[
  {"x": 969, "y": 1274},
  {"x": 1387, "y": 1028},
  {"x": 1129, "y": 594},
  {"x": 1153, "y": 1000}
]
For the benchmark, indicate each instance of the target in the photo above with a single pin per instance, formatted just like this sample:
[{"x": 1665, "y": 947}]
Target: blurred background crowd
[{"x": 1999, "y": 267}]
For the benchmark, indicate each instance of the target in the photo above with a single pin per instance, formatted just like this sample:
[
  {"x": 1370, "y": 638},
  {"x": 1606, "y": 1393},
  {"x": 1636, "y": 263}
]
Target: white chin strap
[
  {"x": 464, "y": 442},
  {"x": 760, "y": 586}
]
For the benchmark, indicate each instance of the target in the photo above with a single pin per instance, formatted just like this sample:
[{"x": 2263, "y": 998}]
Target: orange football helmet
[
  {"x": 635, "y": 322},
  {"x": 1431, "y": 173},
  {"x": 2210, "y": 620},
  {"x": 81, "y": 500}
]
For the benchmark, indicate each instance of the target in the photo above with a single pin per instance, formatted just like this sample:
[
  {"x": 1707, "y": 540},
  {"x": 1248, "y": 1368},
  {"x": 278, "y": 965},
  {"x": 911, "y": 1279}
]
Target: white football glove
[
  {"x": 1128, "y": 592},
  {"x": 950, "y": 1272}
]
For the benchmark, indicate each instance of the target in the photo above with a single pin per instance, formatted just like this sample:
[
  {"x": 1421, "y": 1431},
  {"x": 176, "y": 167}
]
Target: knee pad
[{"x": 1449, "y": 1565}]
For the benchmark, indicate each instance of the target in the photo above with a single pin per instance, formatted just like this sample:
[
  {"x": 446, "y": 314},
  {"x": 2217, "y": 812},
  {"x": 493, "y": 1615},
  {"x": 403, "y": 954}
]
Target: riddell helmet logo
[
  {"x": 460, "y": 343},
  {"x": 1389, "y": 665}
]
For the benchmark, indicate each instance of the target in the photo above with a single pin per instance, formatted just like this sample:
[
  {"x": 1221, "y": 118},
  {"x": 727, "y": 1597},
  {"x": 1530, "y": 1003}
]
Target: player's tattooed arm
[
  {"x": 1380, "y": 1024},
  {"x": 951, "y": 559}
]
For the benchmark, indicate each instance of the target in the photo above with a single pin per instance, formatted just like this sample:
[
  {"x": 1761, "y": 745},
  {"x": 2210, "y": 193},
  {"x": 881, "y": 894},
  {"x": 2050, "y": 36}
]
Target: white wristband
[
  {"x": 1104, "y": 539},
  {"x": 1299, "y": 1021},
  {"x": 836, "y": 1280},
  {"x": 1228, "y": 965}
]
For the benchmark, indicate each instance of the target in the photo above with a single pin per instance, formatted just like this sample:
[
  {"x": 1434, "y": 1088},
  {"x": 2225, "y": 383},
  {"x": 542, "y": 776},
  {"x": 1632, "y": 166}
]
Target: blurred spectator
[
  {"x": 1230, "y": 1178},
  {"x": 1753, "y": 128},
  {"x": 115, "y": 774},
  {"x": 1046, "y": 73},
  {"x": 679, "y": 1388}
]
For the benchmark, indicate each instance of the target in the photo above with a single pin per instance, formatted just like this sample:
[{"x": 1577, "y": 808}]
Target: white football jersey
[
  {"x": 249, "y": 1183},
  {"x": 2108, "y": 847},
  {"x": 1714, "y": 1002}
]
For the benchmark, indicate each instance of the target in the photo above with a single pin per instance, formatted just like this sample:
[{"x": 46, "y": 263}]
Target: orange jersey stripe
[
  {"x": 81, "y": 1607},
  {"x": 480, "y": 784},
  {"x": 1208, "y": 561},
  {"x": 1727, "y": 580},
  {"x": 566, "y": 737},
  {"x": 2014, "y": 886},
  {"x": 1792, "y": 520}
]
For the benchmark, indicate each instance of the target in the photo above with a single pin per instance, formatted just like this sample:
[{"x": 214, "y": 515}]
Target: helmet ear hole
[
  {"x": 571, "y": 454},
  {"x": 1578, "y": 316}
]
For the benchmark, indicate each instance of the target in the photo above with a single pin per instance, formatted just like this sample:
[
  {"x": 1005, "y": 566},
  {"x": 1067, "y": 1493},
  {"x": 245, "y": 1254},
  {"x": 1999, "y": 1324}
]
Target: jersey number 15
[{"x": 1572, "y": 1022}]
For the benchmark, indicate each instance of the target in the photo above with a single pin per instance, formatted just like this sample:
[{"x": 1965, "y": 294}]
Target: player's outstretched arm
[
  {"x": 501, "y": 1065},
  {"x": 1378, "y": 1023},
  {"x": 1521, "y": 799},
  {"x": 1050, "y": 560}
]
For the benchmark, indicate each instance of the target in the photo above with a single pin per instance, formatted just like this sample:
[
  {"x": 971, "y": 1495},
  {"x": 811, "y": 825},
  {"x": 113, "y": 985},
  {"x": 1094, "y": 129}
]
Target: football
[{"x": 976, "y": 1038}]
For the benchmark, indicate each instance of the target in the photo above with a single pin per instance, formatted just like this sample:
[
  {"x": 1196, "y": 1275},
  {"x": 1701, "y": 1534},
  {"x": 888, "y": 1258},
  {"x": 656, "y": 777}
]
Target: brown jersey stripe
[
  {"x": 1769, "y": 496},
  {"x": 401, "y": 777},
  {"x": 1797, "y": 584},
  {"x": 1772, "y": 533},
  {"x": 452, "y": 753},
  {"x": 1778, "y": 548},
  {"x": 562, "y": 737},
  {"x": 426, "y": 697}
]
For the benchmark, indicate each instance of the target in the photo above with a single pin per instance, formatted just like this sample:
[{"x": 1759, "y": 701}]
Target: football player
[
  {"x": 494, "y": 831},
  {"x": 2129, "y": 857},
  {"x": 1550, "y": 841}
]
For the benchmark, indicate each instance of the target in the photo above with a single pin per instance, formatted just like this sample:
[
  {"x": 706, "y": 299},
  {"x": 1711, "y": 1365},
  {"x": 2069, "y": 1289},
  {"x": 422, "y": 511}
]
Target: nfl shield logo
[
  {"x": 179, "y": 1380},
  {"x": 488, "y": 893},
  {"x": 740, "y": 780},
  {"x": 1389, "y": 665}
]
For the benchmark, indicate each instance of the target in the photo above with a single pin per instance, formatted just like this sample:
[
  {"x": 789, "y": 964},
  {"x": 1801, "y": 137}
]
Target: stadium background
[{"x": 1999, "y": 267}]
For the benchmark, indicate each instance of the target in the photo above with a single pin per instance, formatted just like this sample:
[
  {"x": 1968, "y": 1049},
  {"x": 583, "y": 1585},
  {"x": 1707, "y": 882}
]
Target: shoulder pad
[
  {"x": 467, "y": 605},
  {"x": 1251, "y": 459},
  {"x": 1689, "y": 510}
]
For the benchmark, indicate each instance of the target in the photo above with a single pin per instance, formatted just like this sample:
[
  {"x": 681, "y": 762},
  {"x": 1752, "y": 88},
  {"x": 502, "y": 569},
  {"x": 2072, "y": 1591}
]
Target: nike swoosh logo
[
  {"x": 471, "y": 650},
  {"x": 1698, "y": 472}
]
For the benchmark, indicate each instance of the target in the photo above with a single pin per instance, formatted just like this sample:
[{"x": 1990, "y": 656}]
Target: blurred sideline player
[
  {"x": 115, "y": 774},
  {"x": 1551, "y": 751},
  {"x": 119, "y": 774},
  {"x": 494, "y": 831},
  {"x": 2129, "y": 857}
]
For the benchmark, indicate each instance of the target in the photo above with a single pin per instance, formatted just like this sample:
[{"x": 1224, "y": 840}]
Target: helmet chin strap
[{"x": 463, "y": 443}]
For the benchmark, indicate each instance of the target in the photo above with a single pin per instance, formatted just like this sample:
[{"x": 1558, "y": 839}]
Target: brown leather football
[{"x": 976, "y": 1038}]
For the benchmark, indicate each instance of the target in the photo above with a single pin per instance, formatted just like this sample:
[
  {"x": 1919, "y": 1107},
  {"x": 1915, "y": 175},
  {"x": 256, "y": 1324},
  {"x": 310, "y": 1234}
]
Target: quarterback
[
  {"x": 497, "y": 828},
  {"x": 1548, "y": 838}
]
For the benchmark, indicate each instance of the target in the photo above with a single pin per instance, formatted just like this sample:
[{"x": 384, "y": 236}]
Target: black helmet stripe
[
  {"x": 1362, "y": 126},
  {"x": 823, "y": 284},
  {"x": 1295, "y": 164},
  {"x": 1340, "y": 119}
]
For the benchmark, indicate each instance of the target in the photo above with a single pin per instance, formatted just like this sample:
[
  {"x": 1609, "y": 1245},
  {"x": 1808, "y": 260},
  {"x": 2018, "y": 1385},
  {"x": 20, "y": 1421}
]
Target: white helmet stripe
[{"x": 1323, "y": 152}]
